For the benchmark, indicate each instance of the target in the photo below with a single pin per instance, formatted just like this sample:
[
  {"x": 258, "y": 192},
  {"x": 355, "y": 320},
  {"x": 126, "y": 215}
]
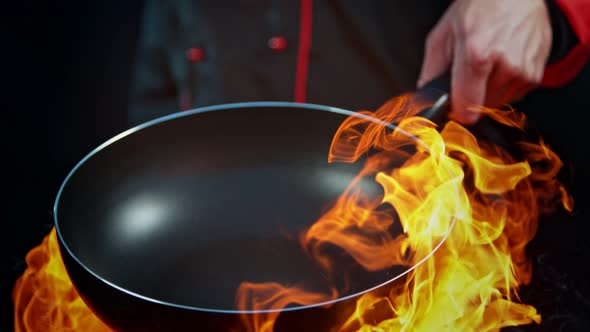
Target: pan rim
[{"x": 220, "y": 107}]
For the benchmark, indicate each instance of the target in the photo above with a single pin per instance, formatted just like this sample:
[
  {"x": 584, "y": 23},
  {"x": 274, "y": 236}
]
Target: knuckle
[
  {"x": 463, "y": 26},
  {"x": 511, "y": 67},
  {"x": 434, "y": 38},
  {"x": 537, "y": 74},
  {"x": 530, "y": 75},
  {"x": 478, "y": 57},
  {"x": 430, "y": 40},
  {"x": 535, "y": 78}
]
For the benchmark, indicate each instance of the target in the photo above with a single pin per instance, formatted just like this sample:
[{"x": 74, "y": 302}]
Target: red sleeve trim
[
  {"x": 577, "y": 13},
  {"x": 301, "y": 71}
]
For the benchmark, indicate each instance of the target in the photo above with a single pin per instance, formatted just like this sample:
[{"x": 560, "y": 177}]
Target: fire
[
  {"x": 262, "y": 296},
  {"x": 471, "y": 203},
  {"x": 44, "y": 298},
  {"x": 466, "y": 210}
]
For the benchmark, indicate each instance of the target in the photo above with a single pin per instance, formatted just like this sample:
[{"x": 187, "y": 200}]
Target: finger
[
  {"x": 519, "y": 91},
  {"x": 507, "y": 84},
  {"x": 529, "y": 80},
  {"x": 437, "y": 52},
  {"x": 469, "y": 79},
  {"x": 502, "y": 84}
]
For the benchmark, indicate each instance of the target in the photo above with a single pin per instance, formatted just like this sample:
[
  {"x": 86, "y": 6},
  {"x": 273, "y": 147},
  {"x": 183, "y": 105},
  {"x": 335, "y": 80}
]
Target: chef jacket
[{"x": 343, "y": 53}]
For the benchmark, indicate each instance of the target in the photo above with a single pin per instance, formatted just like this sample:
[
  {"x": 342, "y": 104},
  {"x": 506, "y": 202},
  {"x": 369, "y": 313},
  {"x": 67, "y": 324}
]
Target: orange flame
[
  {"x": 44, "y": 298},
  {"x": 261, "y": 296},
  {"x": 446, "y": 189},
  {"x": 449, "y": 183}
]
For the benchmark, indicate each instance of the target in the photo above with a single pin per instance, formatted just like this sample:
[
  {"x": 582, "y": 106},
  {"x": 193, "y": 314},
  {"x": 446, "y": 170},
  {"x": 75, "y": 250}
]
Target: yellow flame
[
  {"x": 449, "y": 179},
  {"x": 44, "y": 298},
  {"x": 445, "y": 185}
]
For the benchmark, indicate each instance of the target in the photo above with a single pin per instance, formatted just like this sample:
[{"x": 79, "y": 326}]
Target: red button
[
  {"x": 195, "y": 54},
  {"x": 277, "y": 44}
]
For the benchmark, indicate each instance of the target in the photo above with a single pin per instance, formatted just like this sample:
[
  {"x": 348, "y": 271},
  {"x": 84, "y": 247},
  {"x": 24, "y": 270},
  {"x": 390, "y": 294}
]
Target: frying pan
[{"x": 158, "y": 226}]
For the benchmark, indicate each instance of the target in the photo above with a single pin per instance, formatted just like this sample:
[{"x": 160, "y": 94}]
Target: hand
[{"x": 498, "y": 50}]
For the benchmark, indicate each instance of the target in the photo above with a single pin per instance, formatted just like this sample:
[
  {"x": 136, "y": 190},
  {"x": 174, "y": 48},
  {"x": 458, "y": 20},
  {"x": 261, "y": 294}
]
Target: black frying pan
[{"x": 158, "y": 226}]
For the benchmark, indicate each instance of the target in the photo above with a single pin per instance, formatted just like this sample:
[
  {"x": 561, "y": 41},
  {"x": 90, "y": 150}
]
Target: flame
[
  {"x": 470, "y": 202},
  {"x": 466, "y": 208},
  {"x": 44, "y": 298},
  {"x": 262, "y": 296}
]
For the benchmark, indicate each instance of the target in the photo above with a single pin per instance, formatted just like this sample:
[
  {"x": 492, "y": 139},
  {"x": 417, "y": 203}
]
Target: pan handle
[
  {"x": 436, "y": 92},
  {"x": 441, "y": 85}
]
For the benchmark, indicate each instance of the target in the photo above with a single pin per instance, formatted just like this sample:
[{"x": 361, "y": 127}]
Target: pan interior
[{"x": 184, "y": 210}]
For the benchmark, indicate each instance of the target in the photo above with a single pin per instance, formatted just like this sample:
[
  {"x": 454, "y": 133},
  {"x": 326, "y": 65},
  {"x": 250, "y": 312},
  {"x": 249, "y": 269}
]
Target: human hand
[{"x": 497, "y": 51}]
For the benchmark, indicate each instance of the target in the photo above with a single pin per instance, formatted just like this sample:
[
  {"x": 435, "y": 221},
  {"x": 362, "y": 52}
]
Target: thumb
[{"x": 438, "y": 52}]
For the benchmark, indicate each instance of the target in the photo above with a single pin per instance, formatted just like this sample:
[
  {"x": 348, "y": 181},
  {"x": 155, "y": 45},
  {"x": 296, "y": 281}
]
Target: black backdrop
[{"x": 68, "y": 67}]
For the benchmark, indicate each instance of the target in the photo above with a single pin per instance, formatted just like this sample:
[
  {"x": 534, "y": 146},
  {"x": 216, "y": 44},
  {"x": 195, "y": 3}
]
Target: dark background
[{"x": 68, "y": 68}]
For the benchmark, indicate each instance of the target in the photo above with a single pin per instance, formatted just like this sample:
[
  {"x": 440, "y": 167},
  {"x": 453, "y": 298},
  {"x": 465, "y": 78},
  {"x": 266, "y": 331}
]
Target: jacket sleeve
[
  {"x": 153, "y": 90},
  {"x": 577, "y": 15}
]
